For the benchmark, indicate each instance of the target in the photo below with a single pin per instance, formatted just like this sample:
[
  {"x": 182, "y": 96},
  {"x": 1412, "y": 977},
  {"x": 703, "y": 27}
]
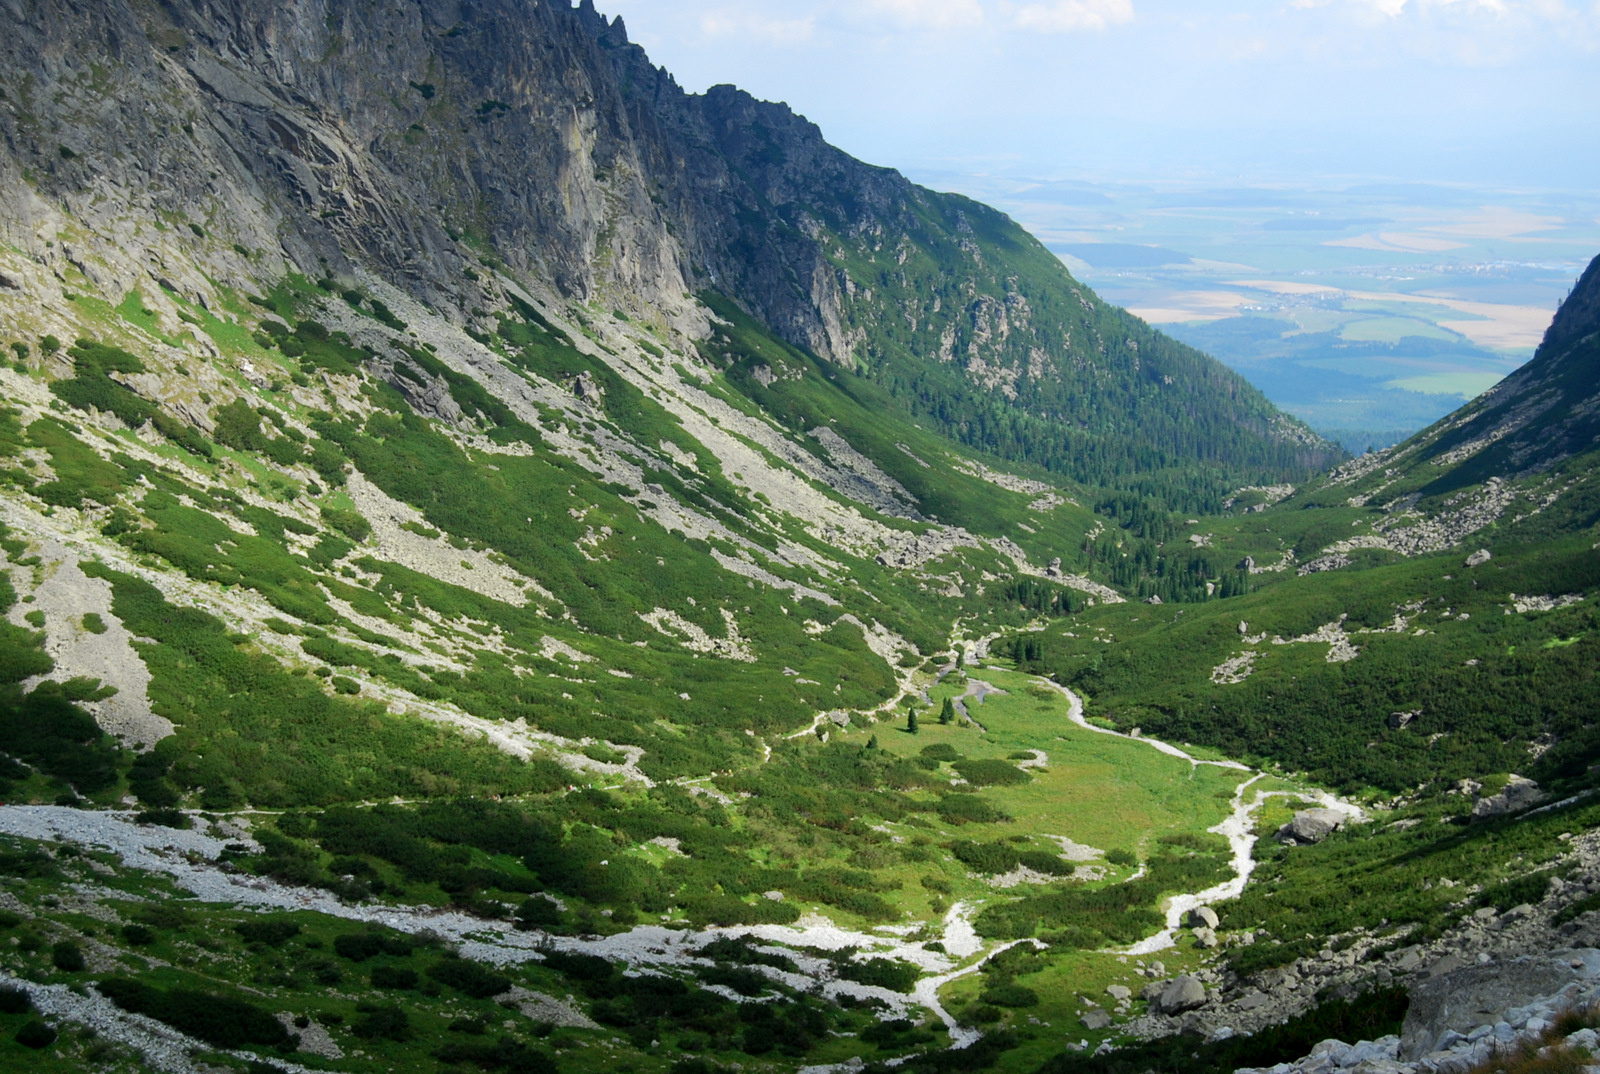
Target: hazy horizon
[{"x": 1479, "y": 92}]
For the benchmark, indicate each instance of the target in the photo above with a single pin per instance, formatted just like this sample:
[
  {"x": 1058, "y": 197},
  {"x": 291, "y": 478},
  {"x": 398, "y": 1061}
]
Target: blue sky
[{"x": 1481, "y": 92}]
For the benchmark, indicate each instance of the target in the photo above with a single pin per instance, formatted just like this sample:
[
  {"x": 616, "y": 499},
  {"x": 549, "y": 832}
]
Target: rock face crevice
[{"x": 339, "y": 133}]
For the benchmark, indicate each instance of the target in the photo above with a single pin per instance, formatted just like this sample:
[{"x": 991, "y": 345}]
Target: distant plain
[{"x": 1367, "y": 310}]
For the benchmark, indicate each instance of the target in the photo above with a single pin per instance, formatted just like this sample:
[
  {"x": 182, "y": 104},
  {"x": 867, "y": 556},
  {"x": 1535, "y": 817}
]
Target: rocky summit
[{"x": 511, "y": 566}]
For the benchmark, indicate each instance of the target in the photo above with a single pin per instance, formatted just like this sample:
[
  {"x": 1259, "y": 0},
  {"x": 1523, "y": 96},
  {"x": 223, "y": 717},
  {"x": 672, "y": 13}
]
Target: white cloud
[
  {"x": 788, "y": 21},
  {"x": 930, "y": 14},
  {"x": 1398, "y": 35},
  {"x": 1063, "y": 16},
  {"x": 1539, "y": 9},
  {"x": 733, "y": 22}
]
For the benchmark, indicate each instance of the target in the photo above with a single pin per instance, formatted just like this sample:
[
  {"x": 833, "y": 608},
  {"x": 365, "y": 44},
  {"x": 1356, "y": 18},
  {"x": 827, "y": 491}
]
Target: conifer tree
[{"x": 947, "y": 712}]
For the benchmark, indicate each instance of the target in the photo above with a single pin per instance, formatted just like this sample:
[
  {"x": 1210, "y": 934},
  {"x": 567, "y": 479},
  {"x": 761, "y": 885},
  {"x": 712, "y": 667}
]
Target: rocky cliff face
[
  {"x": 413, "y": 140},
  {"x": 322, "y": 135},
  {"x": 326, "y": 134}
]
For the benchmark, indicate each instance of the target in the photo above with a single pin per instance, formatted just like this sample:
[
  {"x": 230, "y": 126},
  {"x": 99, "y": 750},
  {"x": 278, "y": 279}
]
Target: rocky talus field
[{"x": 509, "y": 566}]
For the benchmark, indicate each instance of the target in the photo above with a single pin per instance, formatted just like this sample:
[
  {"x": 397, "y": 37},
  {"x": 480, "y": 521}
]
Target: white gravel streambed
[
  {"x": 189, "y": 859},
  {"x": 161, "y": 1046},
  {"x": 1238, "y": 827}
]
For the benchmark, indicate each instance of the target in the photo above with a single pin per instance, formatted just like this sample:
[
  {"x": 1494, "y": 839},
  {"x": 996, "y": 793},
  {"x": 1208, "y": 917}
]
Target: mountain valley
[{"x": 511, "y": 566}]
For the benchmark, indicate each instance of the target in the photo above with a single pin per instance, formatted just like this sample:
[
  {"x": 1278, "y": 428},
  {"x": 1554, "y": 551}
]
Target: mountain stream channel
[{"x": 190, "y": 859}]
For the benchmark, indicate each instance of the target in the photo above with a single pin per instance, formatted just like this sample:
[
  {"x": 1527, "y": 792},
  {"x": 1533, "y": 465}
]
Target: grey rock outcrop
[
  {"x": 1458, "y": 1023},
  {"x": 585, "y": 387},
  {"x": 1399, "y": 721},
  {"x": 1311, "y": 826},
  {"x": 429, "y": 395},
  {"x": 1476, "y": 995},
  {"x": 1519, "y": 794},
  {"x": 1203, "y": 917}
]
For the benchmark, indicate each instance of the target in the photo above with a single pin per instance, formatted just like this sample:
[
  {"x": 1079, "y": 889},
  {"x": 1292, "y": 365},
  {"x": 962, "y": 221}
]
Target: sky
[{"x": 1474, "y": 92}]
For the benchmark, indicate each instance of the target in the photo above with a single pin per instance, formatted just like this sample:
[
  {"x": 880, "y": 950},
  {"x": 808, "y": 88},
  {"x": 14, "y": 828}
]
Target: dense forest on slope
[{"x": 1393, "y": 677}]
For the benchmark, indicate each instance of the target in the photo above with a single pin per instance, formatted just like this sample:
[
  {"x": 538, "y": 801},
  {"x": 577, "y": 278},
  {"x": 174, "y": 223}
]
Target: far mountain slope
[
  {"x": 1421, "y": 615},
  {"x": 1422, "y": 631},
  {"x": 1539, "y": 417},
  {"x": 1517, "y": 465}
]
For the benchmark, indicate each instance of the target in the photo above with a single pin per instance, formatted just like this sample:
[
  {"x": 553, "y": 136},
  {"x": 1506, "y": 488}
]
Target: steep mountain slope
[
  {"x": 1421, "y": 613},
  {"x": 343, "y": 138},
  {"x": 1421, "y": 632},
  {"x": 458, "y": 431}
]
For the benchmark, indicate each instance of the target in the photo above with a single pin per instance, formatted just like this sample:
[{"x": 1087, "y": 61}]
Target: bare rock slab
[
  {"x": 1180, "y": 994},
  {"x": 1464, "y": 998}
]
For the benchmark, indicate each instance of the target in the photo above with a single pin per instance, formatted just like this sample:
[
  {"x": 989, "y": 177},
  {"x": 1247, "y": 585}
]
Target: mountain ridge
[
  {"x": 339, "y": 134},
  {"x": 1515, "y": 460}
]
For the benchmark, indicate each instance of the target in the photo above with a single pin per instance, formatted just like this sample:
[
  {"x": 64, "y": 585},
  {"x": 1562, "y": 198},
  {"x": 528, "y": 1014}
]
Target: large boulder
[
  {"x": 1475, "y": 995},
  {"x": 1203, "y": 917},
  {"x": 1519, "y": 794},
  {"x": 1180, "y": 994},
  {"x": 1311, "y": 826}
]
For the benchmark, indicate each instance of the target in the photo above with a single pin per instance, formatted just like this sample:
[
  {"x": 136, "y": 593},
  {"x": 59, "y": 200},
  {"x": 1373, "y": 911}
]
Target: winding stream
[{"x": 1238, "y": 828}]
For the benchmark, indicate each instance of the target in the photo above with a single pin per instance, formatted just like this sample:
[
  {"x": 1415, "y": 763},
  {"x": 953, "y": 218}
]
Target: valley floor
[{"x": 1086, "y": 791}]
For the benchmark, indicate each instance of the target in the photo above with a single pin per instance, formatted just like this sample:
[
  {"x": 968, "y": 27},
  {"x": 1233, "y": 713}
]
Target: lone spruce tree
[
  {"x": 911, "y": 720},
  {"x": 947, "y": 712}
]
